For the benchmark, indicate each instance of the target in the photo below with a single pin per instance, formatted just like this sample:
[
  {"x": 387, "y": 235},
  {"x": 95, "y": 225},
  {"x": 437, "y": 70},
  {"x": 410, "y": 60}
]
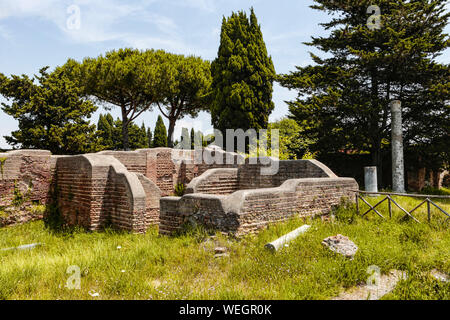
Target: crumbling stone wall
[
  {"x": 30, "y": 171},
  {"x": 249, "y": 176},
  {"x": 134, "y": 161},
  {"x": 168, "y": 167},
  {"x": 123, "y": 189},
  {"x": 249, "y": 210}
]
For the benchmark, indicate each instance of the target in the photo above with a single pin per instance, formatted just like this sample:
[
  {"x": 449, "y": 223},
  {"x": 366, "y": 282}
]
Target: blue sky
[{"x": 36, "y": 33}]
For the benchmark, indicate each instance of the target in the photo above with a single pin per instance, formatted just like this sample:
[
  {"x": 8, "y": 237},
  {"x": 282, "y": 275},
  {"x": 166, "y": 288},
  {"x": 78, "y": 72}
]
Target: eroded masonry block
[
  {"x": 25, "y": 174},
  {"x": 124, "y": 189}
]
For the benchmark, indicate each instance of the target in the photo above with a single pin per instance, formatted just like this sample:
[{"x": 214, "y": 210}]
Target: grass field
[{"x": 125, "y": 266}]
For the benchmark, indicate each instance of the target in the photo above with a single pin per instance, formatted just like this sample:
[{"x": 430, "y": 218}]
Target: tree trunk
[
  {"x": 125, "y": 138},
  {"x": 172, "y": 122}
]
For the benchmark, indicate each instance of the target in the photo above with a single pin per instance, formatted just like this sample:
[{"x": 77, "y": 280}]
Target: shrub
[{"x": 180, "y": 188}]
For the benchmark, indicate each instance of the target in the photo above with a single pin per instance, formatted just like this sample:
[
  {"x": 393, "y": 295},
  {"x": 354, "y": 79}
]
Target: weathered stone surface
[
  {"x": 386, "y": 283},
  {"x": 342, "y": 245},
  {"x": 440, "y": 276},
  {"x": 27, "y": 173},
  {"x": 123, "y": 189},
  {"x": 19, "y": 215},
  {"x": 249, "y": 210}
]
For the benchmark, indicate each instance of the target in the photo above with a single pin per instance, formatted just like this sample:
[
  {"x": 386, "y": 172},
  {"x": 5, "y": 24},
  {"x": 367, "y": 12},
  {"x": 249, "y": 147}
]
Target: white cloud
[{"x": 99, "y": 21}]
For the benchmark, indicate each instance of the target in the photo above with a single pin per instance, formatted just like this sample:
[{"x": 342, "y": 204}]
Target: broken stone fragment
[
  {"x": 221, "y": 255},
  {"x": 220, "y": 250},
  {"x": 342, "y": 245},
  {"x": 439, "y": 275}
]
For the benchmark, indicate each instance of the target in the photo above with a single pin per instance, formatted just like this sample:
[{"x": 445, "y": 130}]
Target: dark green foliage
[
  {"x": 180, "y": 188},
  {"x": 243, "y": 75},
  {"x": 160, "y": 134},
  {"x": 52, "y": 114},
  {"x": 343, "y": 99},
  {"x": 111, "y": 133},
  {"x": 193, "y": 136},
  {"x": 135, "y": 81},
  {"x": 192, "y": 139},
  {"x": 143, "y": 137},
  {"x": 292, "y": 143},
  {"x": 105, "y": 126}
]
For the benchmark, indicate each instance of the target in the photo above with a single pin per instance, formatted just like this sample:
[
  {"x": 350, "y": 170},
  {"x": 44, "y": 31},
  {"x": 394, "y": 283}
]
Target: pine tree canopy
[
  {"x": 186, "y": 89},
  {"x": 127, "y": 78},
  {"x": 243, "y": 76}
]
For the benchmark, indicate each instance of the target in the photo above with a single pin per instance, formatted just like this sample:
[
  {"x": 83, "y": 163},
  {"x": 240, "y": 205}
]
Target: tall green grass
[{"x": 184, "y": 267}]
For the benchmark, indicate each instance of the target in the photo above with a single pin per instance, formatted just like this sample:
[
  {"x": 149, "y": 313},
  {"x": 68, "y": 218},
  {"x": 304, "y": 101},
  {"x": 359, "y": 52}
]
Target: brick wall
[
  {"x": 248, "y": 176},
  {"x": 246, "y": 211},
  {"x": 123, "y": 189},
  {"x": 30, "y": 170},
  {"x": 215, "y": 181},
  {"x": 251, "y": 177},
  {"x": 97, "y": 190},
  {"x": 152, "y": 196},
  {"x": 134, "y": 161}
]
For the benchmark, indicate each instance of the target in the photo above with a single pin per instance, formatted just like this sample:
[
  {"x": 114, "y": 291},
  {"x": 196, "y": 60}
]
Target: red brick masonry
[
  {"x": 124, "y": 189},
  {"x": 242, "y": 200}
]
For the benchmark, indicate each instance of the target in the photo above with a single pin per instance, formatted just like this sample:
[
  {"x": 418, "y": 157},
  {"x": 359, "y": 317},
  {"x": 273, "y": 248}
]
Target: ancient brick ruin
[
  {"x": 134, "y": 190},
  {"x": 242, "y": 200}
]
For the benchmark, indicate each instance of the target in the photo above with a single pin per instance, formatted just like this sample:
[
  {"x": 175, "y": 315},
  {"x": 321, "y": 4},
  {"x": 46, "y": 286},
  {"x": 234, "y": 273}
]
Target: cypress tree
[
  {"x": 192, "y": 138},
  {"x": 144, "y": 138},
  {"x": 160, "y": 134},
  {"x": 243, "y": 76},
  {"x": 106, "y": 132}
]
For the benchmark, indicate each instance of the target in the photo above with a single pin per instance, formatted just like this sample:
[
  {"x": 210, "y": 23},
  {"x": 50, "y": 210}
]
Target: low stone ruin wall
[
  {"x": 27, "y": 174},
  {"x": 124, "y": 189},
  {"x": 250, "y": 176},
  {"x": 249, "y": 210}
]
